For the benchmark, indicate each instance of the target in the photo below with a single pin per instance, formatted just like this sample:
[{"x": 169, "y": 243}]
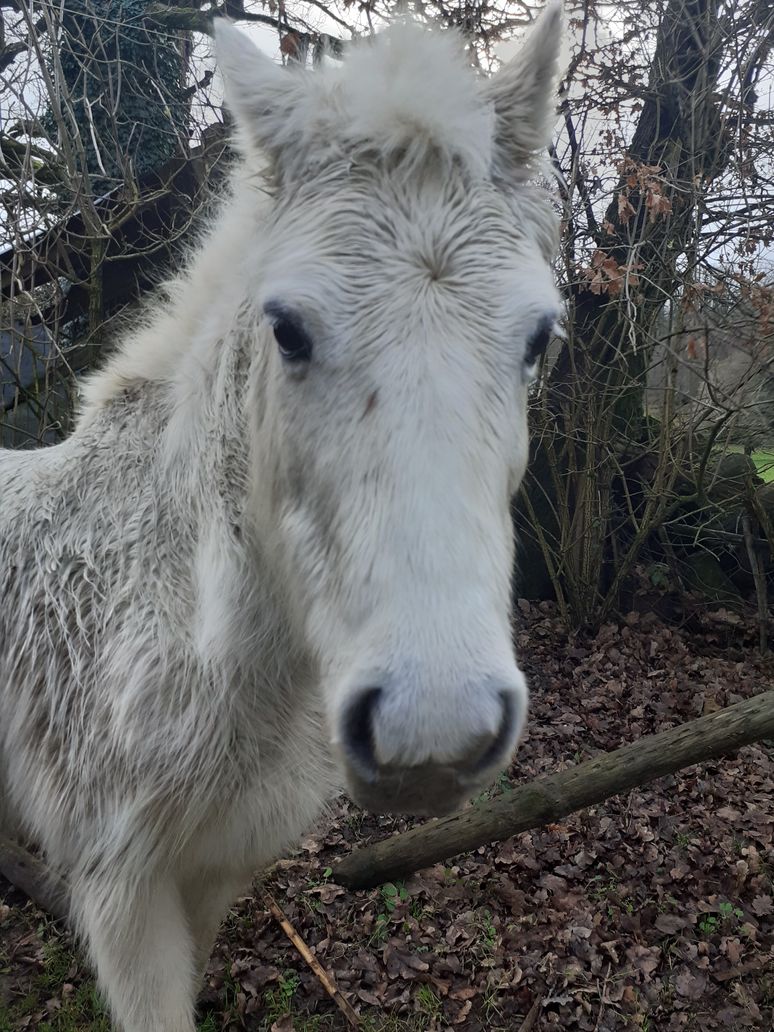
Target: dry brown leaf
[
  {"x": 690, "y": 985},
  {"x": 283, "y": 1024},
  {"x": 762, "y": 905}
]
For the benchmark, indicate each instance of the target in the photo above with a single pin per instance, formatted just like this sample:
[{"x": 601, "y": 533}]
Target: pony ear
[
  {"x": 522, "y": 93},
  {"x": 262, "y": 96}
]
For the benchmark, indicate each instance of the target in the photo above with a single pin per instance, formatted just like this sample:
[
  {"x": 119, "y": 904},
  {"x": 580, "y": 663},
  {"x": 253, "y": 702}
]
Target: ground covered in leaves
[{"x": 653, "y": 911}]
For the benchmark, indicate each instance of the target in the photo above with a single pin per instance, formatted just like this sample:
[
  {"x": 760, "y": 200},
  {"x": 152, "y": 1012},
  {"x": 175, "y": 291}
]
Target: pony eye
[
  {"x": 293, "y": 341},
  {"x": 537, "y": 343}
]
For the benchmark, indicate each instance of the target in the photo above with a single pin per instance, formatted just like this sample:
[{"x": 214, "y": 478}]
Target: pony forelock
[{"x": 410, "y": 90}]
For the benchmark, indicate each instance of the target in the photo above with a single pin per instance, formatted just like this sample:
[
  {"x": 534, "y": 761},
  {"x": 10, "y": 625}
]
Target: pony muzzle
[{"x": 397, "y": 762}]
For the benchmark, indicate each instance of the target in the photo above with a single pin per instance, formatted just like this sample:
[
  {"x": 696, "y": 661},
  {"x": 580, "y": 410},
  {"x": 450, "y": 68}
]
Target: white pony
[{"x": 276, "y": 551}]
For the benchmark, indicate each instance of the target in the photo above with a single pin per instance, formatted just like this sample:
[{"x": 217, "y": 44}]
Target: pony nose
[
  {"x": 475, "y": 752},
  {"x": 358, "y": 734}
]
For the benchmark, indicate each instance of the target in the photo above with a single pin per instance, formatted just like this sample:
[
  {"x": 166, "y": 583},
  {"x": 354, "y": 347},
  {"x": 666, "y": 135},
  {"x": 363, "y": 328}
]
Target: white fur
[{"x": 227, "y": 551}]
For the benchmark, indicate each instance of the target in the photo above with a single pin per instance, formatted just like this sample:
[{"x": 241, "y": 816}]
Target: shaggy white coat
[{"x": 225, "y": 548}]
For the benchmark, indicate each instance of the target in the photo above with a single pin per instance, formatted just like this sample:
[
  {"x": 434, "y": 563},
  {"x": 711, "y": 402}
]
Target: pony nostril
[
  {"x": 503, "y": 740},
  {"x": 358, "y": 733}
]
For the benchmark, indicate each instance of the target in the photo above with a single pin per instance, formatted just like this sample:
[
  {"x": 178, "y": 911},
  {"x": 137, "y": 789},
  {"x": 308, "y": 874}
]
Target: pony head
[{"x": 404, "y": 292}]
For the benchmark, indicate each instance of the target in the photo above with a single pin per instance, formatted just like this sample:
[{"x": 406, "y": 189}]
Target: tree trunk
[
  {"x": 551, "y": 798},
  {"x": 594, "y": 407}
]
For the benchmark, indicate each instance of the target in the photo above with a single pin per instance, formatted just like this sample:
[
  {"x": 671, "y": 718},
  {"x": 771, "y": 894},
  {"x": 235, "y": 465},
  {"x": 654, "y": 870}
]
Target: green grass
[
  {"x": 279, "y": 1000},
  {"x": 79, "y": 1010},
  {"x": 83, "y": 1011},
  {"x": 764, "y": 462},
  {"x": 428, "y": 1002}
]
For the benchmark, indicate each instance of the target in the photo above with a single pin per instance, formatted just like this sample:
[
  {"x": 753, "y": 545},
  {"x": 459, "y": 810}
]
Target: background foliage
[{"x": 139, "y": 118}]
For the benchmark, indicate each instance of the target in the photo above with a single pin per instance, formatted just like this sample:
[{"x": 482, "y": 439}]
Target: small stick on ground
[
  {"x": 325, "y": 979},
  {"x": 602, "y": 999},
  {"x": 532, "y": 1015}
]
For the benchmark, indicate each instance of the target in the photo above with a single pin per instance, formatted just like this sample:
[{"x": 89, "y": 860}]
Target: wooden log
[
  {"x": 43, "y": 886},
  {"x": 550, "y": 798}
]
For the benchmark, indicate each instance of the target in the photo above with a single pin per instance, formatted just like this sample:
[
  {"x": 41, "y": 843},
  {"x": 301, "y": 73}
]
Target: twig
[
  {"x": 602, "y": 998},
  {"x": 759, "y": 579},
  {"x": 532, "y": 1015},
  {"x": 325, "y": 979}
]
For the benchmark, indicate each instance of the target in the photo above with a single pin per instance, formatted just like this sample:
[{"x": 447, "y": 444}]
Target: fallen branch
[
  {"x": 532, "y": 1015},
  {"x": 550, "y": 798},
  {"x": 325, "y": 979},
  {"x": 24, "y": 871}
]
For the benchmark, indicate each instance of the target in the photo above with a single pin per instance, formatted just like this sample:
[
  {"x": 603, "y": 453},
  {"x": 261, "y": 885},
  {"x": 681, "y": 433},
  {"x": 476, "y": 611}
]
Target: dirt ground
[{"x": 652, "y": 912}]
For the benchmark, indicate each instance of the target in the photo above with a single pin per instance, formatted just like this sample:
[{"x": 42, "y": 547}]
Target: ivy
[{"x": 124, "y": 78}]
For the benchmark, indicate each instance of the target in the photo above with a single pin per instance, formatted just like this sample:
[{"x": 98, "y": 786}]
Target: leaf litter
[{"x": 653, "y": 911}]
